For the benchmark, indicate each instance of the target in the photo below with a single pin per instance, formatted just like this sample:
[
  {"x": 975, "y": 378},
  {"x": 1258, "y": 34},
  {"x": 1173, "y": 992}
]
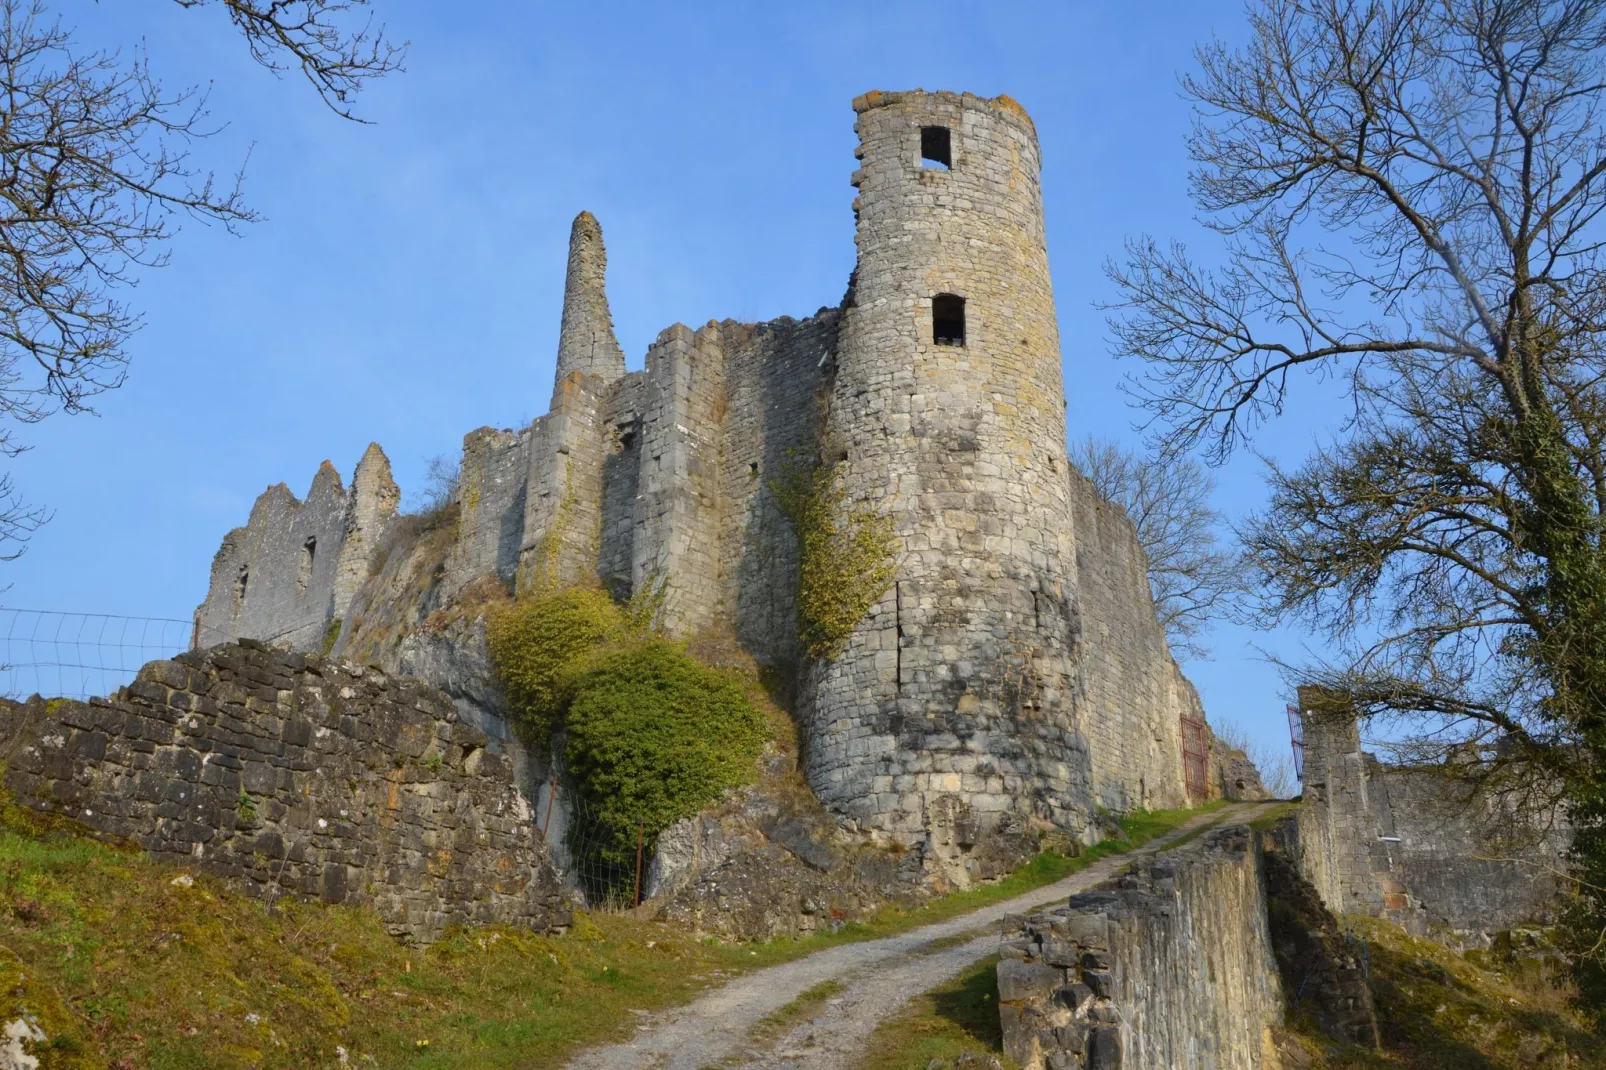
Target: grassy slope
[
  {"x": 1437, "y": 1009},
  {"x": 161, "y": 975}
]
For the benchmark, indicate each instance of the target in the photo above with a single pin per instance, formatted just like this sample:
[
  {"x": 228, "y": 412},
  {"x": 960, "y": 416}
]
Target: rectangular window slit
[{"x": 948, "y": 320}]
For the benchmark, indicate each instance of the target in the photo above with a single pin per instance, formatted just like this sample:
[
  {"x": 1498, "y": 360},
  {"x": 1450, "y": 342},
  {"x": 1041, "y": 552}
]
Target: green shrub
[
  {"x": 654, "y": 736},
  {"x": 534, "y": 640}
]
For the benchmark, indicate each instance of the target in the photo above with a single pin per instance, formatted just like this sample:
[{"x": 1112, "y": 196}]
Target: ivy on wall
[{"x": 847, "y": 554}]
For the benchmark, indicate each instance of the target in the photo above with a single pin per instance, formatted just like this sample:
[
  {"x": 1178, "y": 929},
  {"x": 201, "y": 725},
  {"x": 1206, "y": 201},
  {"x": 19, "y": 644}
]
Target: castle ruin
[{"x": 1014, "y": 671}]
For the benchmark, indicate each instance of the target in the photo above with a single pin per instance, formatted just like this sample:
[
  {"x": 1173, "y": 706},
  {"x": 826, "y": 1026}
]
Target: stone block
[
  {"x": 1020, "y": 981},
  {"x": 1104, "y": 1047}
]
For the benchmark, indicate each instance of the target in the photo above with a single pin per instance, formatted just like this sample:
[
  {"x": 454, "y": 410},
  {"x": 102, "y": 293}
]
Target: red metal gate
[{"x": 1195, "y": 758}]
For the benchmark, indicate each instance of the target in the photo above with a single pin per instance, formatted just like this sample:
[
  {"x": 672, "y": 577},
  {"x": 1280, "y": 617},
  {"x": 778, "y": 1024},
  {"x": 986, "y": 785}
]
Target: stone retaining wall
[
  {"x": 1168, "y": 966},
  {"x": 1416, "y": 847},
  {"x": 292, "y": 773}
]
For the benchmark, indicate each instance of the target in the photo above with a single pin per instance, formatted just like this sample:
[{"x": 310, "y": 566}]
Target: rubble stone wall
[
  {"x": 1167, "y": 966},
  {"x": 1415, "y": 847},
  {"x": 292, "y": 773}
]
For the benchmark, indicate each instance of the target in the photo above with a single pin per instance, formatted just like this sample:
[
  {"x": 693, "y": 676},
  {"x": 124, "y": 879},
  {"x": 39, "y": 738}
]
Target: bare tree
[
  {"x": 95, "y": 171},
  {"x": 1274, "y": 763},
  {"x": 1192, "y": 575},
  {"x": 1409, "y": 195}
]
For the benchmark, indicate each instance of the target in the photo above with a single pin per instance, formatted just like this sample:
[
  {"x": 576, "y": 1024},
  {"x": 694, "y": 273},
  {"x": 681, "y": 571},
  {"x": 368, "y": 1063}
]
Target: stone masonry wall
[
  {"x": 1414, "y": 847},
  {"x": 1168, "y": 966},
  {"x": 1133, "y": 696},
  {"x": 296, "y": 565},
  {"x": 1322, "y": 970},
  {"x": 298, "y": 774},
  {"x": 957, "y": 690},
  {"x": 774, "y": 374},
  {"x": 1013, "y": 676}
]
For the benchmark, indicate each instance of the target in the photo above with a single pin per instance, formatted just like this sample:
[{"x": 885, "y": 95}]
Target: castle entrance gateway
[{"x": 1195, "y": 758}]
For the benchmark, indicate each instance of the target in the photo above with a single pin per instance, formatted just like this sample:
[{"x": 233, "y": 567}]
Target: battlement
[{"x": 1012, "y": 677}]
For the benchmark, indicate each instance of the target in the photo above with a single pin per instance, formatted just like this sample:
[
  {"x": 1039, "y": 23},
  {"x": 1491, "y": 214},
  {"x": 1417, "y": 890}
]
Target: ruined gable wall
[
  {"x": 275, "y": 578},
  {"x": 1133, "y": 695},
  {"x": 374, "y": 501}
]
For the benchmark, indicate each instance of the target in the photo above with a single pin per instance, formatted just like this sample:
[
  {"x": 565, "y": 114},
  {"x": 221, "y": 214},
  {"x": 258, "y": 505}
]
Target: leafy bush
[
  {"x": 654, "y": 736},
  {"x": 534, "y": 640}
]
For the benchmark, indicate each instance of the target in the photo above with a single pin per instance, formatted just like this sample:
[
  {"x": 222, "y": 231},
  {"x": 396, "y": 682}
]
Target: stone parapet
[{"x": 1168, "y": 966}]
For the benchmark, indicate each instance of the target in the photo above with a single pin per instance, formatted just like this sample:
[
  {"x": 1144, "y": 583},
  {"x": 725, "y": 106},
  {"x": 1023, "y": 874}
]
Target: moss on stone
[
  {"x": 62, "y": 1042},
  {"x": 847, "y": 555}
]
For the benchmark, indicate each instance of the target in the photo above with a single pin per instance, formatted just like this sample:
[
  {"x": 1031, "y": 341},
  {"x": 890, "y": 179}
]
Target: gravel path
[{"x": 879, "y": 977}]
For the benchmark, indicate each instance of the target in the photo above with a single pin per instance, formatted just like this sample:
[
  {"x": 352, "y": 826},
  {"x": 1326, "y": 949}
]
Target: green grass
[
  {"x": 1437, "y": 1008},
  {"x": 808, "y": 1003},
  {"x": 958, "y": 1018},
  {"x": 1273, "y": 814},
  {"x": 153, "y": 974}
]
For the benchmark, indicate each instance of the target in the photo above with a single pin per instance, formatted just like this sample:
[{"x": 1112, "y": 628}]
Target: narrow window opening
[
  {"x": 309, "y": 550},
  {"x": 948, "y": 320},
  {"x": 936, "y": 147},
  {"x": 240, "y": 582},
  {"x": 752, "y": 469}
]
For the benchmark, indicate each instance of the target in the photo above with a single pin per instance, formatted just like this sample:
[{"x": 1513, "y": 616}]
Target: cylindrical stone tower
[{"x": 952, "y": 705}]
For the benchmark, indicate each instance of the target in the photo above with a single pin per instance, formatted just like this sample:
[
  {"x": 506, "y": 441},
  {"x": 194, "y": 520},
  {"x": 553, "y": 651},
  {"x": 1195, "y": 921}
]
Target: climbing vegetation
[
  {"x": 847, "y": 554},
  {"x": 534, "y": 639},
  {"x": 654, "y": 736},
  {"x": 651, "y": 734}
]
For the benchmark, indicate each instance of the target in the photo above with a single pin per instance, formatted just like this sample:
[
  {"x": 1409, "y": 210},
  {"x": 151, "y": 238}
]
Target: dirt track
[{"x": 879, "y": 977}]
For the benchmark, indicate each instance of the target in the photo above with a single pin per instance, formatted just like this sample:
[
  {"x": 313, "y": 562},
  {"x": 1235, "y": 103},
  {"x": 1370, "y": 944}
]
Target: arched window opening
[
  {"x": 936, "y": 147},
  {"x": 948, "y": 320},
  {"x": 309, "y": 550}
]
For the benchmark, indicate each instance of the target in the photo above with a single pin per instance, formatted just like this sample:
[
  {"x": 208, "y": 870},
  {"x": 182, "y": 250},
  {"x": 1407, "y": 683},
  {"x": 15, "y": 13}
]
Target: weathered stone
[
  {"x": 1014, "y": 673},
  {"x": 323, "y": 826},
  {"x": 1019, "y": 981},
  {"x": 1185, "y": 956}
]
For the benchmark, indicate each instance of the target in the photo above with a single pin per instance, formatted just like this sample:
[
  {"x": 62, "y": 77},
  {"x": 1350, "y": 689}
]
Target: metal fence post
[
  {"x": 551, "y": 801},
  {"x": 640, "y": 838}
]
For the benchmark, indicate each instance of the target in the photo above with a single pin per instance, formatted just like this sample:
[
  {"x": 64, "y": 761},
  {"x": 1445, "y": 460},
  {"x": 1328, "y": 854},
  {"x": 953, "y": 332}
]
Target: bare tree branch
[{"x": 1192, "y": 577}]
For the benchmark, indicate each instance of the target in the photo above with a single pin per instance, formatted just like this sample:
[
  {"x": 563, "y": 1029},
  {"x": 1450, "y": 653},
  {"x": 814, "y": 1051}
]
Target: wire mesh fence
[
  {"x": 609, "y": 860},
  {"x": 90, "y": 655},
  {"x": 81, "y": 655}
]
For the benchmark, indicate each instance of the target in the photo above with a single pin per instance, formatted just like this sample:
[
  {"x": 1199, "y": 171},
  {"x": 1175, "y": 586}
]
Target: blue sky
[{"x": 405, "y": 285}]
